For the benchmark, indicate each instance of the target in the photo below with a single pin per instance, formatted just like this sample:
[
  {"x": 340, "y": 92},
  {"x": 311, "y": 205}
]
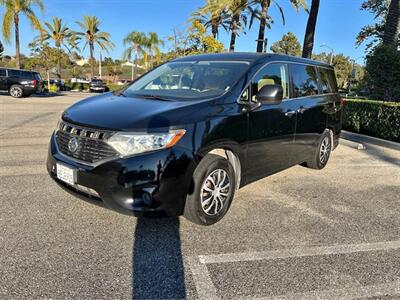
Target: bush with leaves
[
  {"x": 383, "y": 73},
  {"x": 374, "y": 118}
]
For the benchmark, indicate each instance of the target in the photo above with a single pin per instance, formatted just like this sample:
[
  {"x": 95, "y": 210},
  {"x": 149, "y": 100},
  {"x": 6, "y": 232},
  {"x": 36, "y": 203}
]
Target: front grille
[{"x": 91, "y": 143}]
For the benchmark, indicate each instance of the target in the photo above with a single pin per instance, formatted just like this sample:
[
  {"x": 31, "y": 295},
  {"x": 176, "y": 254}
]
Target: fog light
[{"x": 147, "y": 199}]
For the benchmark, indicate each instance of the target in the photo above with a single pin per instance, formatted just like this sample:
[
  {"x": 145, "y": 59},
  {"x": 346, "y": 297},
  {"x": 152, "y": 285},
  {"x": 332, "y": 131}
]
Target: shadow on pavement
[
  {"x": 157, "y": 260},
  {"x": 379, "y": 153}
]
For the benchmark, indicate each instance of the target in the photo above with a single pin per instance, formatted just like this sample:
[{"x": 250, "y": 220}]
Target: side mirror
[{"x": 270, "y": 94}]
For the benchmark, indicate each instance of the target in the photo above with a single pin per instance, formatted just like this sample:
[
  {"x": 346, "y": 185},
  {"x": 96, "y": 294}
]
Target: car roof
[
  {"x": 15, "y": 69},
  {"x": 251, "y": 57}
]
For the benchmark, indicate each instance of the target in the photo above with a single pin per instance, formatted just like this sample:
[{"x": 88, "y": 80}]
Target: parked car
[
  {"x": 97, "y": 85},
  {"x": 20, "y": 83},
  {"x": 79, "y": 80},
  {"x": 185, "y": 145}
]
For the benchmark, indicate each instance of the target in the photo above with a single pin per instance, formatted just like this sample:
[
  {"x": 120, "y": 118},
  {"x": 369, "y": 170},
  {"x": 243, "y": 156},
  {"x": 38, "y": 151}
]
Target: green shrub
[
  {"x": 79, "y": 86},
  {"x": 383, "y": 73},
  {"x": 53, "y": 88},
  {"x": 114, "y": 87},
  {"x": 372, "y": 117}
]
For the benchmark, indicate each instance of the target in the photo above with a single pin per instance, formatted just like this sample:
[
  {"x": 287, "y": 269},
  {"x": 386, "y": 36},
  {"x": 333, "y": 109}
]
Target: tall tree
[
  {"x": 93, "y": 36},
  {"x": 373, "y": 33},
  {"x": 12, "y": 11},
  {"x": 212, "y": 15},
  {"x": 1, "y": 50},
  {"x": 237, "y": 19},
  {"x": 308, "y": 44},
  {"x": 61, "y": 35},
  {"x": 392, "y": 25},
  {"x": 265, "y": 19},
  {"x": 289, "y": 44},
  {"x": 137, "y": 43},
  {"x": 154, "y": 43}
]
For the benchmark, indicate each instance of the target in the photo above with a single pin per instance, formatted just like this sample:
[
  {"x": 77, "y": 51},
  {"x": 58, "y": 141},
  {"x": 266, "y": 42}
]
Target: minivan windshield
[{"x": 189, "y": 80}]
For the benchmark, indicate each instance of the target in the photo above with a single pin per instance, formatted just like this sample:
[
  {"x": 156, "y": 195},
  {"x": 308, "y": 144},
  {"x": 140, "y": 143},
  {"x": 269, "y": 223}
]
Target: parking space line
[
  {"x": 298, "y": 252},
  {"x": 384, "y": 289},
  {"x": 206, "y": 289},
  {"x": 201, "y": 277}
]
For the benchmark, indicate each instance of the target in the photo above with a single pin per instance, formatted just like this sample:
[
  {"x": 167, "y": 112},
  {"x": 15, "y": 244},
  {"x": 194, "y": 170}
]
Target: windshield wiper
[{"x": 155, "y": 97}]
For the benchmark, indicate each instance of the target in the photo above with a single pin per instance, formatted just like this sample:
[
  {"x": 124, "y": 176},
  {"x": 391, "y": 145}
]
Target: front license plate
[{"x": 66, "y": 174}]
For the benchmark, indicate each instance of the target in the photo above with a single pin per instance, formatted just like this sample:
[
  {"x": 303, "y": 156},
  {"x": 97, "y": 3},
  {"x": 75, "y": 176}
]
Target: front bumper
[{"x": 153, "y": 182}]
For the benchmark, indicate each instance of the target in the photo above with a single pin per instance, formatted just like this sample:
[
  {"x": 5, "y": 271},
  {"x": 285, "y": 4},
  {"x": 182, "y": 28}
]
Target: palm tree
[
  {"x": 265, "y": 19},
  {"x": 137, "y": 43},
  {"x": 392, "y": 25},
  {"x": 237, "y": 19},
  {"x": 153, "y": 45},
  {"x": 212, "y": 15},
  {"x": 310, "y": 30},
  {"x": 92, "y": 35},
  {"x": 61, "y": 36},
  {"x": 12, "y": 11}
]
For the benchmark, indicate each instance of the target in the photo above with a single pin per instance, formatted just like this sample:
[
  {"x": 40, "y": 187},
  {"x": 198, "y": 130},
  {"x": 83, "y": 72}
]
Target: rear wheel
[
  {"x": 214, "y": 188},
  {"x": 16, "y": 91},
  {"x": 322, "y": 153}
]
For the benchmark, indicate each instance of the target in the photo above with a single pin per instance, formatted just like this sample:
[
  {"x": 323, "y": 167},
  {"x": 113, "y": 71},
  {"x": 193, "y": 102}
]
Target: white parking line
[{"x": 206, "y": 289}]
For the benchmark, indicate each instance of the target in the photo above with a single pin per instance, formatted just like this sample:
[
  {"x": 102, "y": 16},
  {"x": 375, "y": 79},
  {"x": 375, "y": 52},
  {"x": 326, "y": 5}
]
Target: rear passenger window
[
  {"x": 14, "y": 73},
  {"x": 328, "y": 80},
  {"x": 272, "y": 74},
  {"x": 304, "y": 80}
]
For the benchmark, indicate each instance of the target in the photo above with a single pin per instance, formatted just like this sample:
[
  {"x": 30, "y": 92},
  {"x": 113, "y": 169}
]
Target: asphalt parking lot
[{"x": 300, "y": 234}]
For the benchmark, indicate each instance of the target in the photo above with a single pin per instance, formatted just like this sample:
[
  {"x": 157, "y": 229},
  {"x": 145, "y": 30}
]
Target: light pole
[{"x": 331, "y": 55}]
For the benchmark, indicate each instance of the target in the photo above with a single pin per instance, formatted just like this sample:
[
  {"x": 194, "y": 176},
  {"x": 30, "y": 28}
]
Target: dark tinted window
[
  {"x": 328, "y": 80},
  {"x": 304, "y": 80},
  {"x": 272, "y": 74},
  {"x": 3, "y": 72},
  {"x": 20, "y": 74}
]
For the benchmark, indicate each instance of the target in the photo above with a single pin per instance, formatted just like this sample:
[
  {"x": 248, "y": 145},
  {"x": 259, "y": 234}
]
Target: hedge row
[{"x": 375, "y": 118}]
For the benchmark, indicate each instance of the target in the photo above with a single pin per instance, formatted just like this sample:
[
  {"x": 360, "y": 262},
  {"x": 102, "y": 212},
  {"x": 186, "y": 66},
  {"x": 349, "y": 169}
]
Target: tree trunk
[
  {"x": 59, "y": 62},
  {"x": 392, "y": 26},
  {"x": 308, "y": 43},
  {"x": 214, "y": 30},
  {"x": 17, "y": 46},
  {"x": 235, "y": 21},
  {"x": 91, "y": 59},
  {"x": 263, "y": 21}
]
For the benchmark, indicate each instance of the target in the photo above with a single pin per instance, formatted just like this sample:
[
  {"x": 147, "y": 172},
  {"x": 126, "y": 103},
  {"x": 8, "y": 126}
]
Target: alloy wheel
[
  {"x": 16, "y": 92},
  {"x": 215, "y": 192},
  {"x": 324, "y": 150}
]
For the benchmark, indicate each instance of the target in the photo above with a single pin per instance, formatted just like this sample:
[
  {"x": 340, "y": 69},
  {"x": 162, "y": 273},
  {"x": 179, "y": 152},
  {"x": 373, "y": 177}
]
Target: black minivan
[{"x": 183, "y": 137}]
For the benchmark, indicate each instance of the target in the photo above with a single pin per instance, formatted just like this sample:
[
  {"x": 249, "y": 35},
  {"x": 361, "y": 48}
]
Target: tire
[
  {"x": 202, "y": 207},
  {"x": 322, "y": 152},
  {"x": 16, "y": 91}
]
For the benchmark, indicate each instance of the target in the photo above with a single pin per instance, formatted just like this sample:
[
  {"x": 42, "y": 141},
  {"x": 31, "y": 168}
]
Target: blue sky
[{"x": 339, "y": 21}]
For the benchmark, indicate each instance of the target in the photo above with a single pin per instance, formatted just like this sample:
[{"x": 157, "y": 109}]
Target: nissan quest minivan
[{"x": 185, "y": 136}]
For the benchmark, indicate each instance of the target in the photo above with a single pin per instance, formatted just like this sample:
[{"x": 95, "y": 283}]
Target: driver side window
[{"x": 275, "y": 73}]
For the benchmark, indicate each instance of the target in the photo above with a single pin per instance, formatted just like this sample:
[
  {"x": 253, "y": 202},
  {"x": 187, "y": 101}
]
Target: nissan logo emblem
[{"x": 73, "y": 144}]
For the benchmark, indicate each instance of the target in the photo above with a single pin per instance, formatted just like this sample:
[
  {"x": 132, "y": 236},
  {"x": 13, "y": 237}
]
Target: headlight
[{"x": 133, "y": 143}]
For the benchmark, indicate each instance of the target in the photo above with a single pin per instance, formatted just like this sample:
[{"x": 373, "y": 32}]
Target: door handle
[
  {"x": 301, "y": 110},
  {"x": 290, "y": 113}
]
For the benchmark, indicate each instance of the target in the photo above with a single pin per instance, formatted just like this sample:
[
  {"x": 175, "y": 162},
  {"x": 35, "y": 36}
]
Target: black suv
[
  {"x": 20, "y": 83},
  {"x": 184, "y": 137}
]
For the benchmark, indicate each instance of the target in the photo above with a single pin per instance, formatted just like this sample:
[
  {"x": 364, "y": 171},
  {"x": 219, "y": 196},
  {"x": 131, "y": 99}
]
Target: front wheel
[
  {"x": 214, "y": 188},
  {"x": 322, "y": 153}
]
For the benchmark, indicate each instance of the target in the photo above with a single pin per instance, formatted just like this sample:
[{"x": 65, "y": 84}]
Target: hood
[{"x": 109, "y": 111}]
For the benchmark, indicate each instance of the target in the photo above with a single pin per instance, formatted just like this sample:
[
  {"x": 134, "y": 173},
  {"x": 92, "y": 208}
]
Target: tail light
[{"x": 34, "y": 83}]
